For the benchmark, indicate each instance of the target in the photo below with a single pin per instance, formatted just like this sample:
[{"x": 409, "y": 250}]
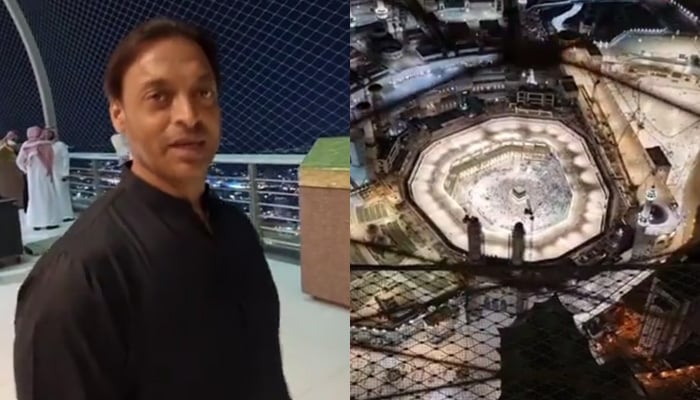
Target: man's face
[{"x": 169, "y": 110}]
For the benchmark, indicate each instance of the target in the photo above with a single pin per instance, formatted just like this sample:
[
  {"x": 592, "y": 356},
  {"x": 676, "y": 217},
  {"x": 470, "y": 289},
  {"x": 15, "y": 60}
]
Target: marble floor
[{"x": 314, "y": 335}]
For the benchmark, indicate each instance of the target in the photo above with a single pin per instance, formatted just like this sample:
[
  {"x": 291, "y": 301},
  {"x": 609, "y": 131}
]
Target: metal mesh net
[
  {"x": 458, "y": 330},
  {"x": 434, "y": 319},
  {"x": 284, "y": 67}
]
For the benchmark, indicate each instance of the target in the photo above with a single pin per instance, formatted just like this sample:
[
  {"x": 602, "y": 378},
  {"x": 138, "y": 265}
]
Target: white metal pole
[{"x": 30, "y": 46}]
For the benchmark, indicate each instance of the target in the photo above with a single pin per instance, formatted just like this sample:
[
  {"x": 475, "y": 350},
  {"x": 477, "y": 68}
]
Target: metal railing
[{"x": 265, "y": 186}]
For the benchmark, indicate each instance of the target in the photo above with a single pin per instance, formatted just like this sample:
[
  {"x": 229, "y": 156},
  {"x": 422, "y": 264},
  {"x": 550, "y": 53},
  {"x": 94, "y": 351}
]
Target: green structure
[{"x": 327, "y": 164}]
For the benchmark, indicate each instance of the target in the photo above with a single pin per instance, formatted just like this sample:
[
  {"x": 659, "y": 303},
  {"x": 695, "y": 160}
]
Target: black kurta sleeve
[
  {"x": 273, "y": 373},
  {"x": 67, "y": 346}
]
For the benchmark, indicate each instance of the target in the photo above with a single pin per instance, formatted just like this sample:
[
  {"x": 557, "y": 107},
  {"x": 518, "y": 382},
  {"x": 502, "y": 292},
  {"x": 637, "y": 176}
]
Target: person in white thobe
[
  {"x": 61, "y": 173},
  {"x": 121, "y": 147},
  {"x": 35, "y": 159}
]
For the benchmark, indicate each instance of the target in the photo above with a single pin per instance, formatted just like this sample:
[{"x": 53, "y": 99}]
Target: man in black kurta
[
  {"x": 139, "y": 300},
  {"x": 160, "y": 291}
]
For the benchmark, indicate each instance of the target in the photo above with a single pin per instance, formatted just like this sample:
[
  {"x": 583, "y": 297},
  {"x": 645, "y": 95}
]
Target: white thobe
[
  {"x": 42, "y": 210},
  {"x": 61, "y": 171},
  {"x": 121, "y": 147}
]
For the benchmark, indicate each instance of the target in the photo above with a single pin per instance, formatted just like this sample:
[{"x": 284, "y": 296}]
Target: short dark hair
[{"x": 132, "y": 44}]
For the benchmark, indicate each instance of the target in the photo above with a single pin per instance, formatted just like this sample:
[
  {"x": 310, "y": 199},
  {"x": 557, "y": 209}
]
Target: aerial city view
[{"x": 525, "y": 192}]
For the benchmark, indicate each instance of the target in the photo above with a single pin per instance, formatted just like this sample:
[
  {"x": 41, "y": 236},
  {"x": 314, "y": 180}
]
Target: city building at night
[{"x": 535, "y": 206}]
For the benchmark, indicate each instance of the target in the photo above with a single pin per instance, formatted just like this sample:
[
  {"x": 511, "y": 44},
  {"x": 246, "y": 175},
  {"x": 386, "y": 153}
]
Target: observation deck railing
[{"x": 265, "y": 186}]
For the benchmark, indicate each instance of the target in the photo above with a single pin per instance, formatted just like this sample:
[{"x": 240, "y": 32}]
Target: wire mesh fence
[
  {"x": 432, "y": 318},
  {"x": 427, "y": 324},
  {"x": 284, "y": 67},
  {"x": 458, "y": 330}
]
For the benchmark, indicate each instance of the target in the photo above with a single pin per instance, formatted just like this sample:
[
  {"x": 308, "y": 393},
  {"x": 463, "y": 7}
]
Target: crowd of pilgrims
[
  {"x": 546, "y": 185},
  {"x": 35, "y": 174}
]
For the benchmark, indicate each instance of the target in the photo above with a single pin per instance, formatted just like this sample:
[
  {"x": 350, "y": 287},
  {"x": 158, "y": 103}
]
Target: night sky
[{"x": 284, "y": 67}]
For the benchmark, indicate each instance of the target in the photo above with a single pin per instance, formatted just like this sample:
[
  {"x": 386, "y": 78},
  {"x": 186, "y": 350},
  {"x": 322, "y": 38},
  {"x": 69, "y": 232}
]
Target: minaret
[
  {"x": 376, "y": 99},
  {"x": 381, "y": 11},
  {"x": 475, "y": 236},
  {"x": 370, "y": 149},
  {"x": 362, "y": 112},
  {"x": 517, "y": 255},
  {"x": 518, "y": 244},
  {"x": 531, "y": 80},
  {"x": 497, "y": 5},
  {"x": 375, "y": 96},
  {"x": 464, "y": 100},
  {"x": 371, "y": 127},
  {"x": 356, "y": 153},
  {"x": 642, "y": 240},
  {"x": 644, "y": 215}
]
